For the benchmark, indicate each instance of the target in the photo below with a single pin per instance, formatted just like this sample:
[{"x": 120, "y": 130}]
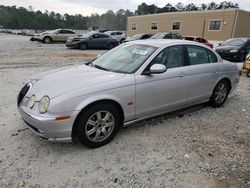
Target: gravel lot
[{"x": 196, "y": 147}]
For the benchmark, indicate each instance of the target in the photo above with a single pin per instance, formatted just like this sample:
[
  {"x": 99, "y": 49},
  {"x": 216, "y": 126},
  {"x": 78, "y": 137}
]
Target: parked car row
[{"x": 235, "y": 49}]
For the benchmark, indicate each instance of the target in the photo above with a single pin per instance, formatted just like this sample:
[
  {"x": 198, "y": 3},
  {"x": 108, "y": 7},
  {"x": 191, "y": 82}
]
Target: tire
[
  {"x": 220, "y": 94},
  {"x": 111, "y": 45},
  {"x": 83, "y": 46},
  {"x": 122, "y": 40},
  {"x": 248, "y": 73},
  {"x": 47, "y": 40},
  {"x": 98, "y": 125}
]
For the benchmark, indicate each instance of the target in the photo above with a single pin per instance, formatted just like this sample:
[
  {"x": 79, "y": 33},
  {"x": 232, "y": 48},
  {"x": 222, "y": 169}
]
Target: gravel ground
[{"x": 196, "y": 147}]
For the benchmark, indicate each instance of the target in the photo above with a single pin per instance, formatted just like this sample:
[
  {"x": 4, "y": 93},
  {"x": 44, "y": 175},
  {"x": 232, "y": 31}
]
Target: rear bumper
[
  {"x": 47, "y": 128},
  {"x": 233, "y": 57}
]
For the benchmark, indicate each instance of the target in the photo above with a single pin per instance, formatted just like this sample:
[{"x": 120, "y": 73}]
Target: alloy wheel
[
  {"x": 220, "y": 93},
  {"x": 99, "y": 126}
]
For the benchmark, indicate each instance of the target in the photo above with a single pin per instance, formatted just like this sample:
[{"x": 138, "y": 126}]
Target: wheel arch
[
  {"x": 227, "y": 80},
  {"x": 83, "y": 42},
  {"x": 88, "y": 105},
  {"x": 47, "y": 37}
]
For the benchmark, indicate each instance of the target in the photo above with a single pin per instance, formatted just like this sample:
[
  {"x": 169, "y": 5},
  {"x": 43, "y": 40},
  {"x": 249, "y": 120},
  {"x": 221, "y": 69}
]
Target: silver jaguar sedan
[{"x": 134, "y": 81}]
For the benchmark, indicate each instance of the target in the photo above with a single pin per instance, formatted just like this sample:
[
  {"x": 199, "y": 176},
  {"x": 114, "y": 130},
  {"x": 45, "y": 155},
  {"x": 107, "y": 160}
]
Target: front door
[{"x": 157, "y": 93}]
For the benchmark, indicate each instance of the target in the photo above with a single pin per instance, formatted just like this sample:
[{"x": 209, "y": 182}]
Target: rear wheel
[
  {"x": 47, "y": 40},
  {"x": 122, "y": 40},
  {"x": 220, "y": 94},
  {"x": 248, "y": 73},
  {"x": 97, "y": 125},
  {"x": 83, "y": 46}
]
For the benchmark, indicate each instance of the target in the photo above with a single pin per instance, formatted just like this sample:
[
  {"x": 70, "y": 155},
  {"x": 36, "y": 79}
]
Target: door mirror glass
[{"x": 157, "y": 69}]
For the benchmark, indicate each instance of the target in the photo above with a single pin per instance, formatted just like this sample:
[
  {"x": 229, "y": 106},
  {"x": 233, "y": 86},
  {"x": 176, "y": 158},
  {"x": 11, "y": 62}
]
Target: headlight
[
  {"x": 44, "y": 104},
  {"x": 234, "y": 51},
  {"x": 32, "y": 101}
]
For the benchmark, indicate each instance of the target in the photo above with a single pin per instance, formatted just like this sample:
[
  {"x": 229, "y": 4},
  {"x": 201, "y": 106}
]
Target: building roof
[{"x": 190, "y": 12}]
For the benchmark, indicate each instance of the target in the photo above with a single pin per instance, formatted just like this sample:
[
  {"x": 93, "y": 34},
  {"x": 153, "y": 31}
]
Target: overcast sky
[{"x": 86, "y": 7}]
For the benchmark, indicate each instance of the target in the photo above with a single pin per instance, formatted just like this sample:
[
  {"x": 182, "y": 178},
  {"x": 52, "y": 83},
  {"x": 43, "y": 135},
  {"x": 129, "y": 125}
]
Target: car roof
[{"x": 163, "y": 42}]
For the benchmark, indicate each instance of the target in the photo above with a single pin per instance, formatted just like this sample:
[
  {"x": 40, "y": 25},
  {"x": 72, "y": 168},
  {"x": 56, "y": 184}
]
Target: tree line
[{"x": 13, "y": 17}]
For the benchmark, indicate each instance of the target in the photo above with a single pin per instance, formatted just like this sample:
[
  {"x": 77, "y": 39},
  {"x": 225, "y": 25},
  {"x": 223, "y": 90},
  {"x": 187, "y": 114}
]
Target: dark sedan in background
[
  {"x": 92, "y": 41},
  {"x": 166, "y": 36},
  {"x": 140, "y": 36},
  {"x": 235, "y": 49}
]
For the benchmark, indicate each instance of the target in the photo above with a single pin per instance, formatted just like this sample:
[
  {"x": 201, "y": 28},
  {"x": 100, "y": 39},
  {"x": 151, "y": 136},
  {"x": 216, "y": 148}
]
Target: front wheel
[
  {"x": 97, "y": 125},
  {"x": 220, "y": 94},
  {"x": 47, "y": 40},
  {"x": 83, "y": 46}
]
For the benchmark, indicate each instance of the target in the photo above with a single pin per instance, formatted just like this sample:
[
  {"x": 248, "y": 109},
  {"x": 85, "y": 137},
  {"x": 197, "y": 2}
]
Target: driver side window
[{"x": 171, "y": 57}]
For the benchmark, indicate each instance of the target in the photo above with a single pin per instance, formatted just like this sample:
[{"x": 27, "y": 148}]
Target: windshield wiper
[{"x": 100, "y": 67}]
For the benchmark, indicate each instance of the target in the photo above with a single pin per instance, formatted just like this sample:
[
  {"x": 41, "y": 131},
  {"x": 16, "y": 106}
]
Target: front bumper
[
  {"x": 36, "y": 38},
  {"x": 47, "y": 127},
  {"x": 73, "y": 44}
]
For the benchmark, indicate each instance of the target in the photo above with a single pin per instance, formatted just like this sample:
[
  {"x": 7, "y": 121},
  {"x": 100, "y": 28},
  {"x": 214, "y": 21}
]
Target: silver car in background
[{"x": 133, "y": 81}]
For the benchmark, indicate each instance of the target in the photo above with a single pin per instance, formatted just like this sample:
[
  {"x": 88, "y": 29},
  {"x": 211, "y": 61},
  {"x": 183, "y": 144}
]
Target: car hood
[
  {"x": 227, "y": 48},
  {"x": 58, "y": 82}
]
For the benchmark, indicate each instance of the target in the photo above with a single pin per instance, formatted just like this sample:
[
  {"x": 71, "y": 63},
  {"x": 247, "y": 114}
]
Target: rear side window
[
  {"x": 199, "y": 55},
  {"x": 118, "y": 33},
  {"x": 212, "y": 57}
]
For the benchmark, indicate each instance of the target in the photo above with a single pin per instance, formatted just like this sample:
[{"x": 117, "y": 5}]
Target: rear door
[{"x": 203, "y": 71}]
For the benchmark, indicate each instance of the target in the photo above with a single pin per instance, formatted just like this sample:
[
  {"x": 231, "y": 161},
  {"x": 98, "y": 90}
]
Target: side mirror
[
  {"x": 91, "y": 38},
  {"x": 157, "y": 69},
  {"x": 219, "y": 44}
]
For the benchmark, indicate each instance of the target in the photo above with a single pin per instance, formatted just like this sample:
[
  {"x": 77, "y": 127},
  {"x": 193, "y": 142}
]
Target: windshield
[
  {"x": 158, "y": 36},
  {"x": 126, "y": 58},
  {"x": 234, "y": 42},
  {"x": 136, "y": 37}
]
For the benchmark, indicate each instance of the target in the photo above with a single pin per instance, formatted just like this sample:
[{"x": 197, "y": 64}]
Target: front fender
[{"x": 125, "y": 97}]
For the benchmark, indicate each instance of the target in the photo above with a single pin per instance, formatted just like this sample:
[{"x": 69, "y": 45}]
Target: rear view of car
[
  {"x": 234, "y": 50},
  {"x": 140, "y": 36},
  {"x": 117, "y": 35}
]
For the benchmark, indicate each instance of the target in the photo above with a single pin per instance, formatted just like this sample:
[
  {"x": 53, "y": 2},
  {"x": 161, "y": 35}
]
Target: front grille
[{"x": 22, "y": 93}]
